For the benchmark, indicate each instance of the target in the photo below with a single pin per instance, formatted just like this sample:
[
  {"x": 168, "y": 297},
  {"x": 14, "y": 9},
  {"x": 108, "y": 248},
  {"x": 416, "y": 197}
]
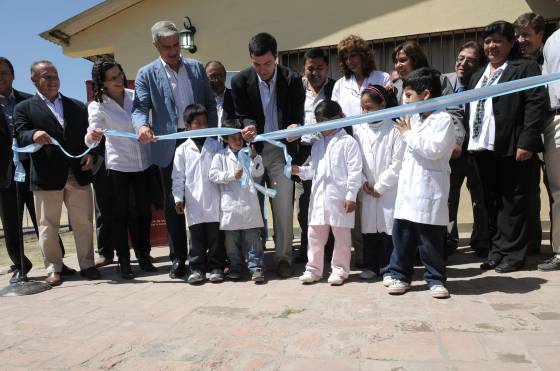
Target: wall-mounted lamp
[{"x": 186, "y": 36}]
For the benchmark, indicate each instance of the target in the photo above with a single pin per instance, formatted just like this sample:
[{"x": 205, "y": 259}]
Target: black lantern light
[{"x": 186, "y": 36}]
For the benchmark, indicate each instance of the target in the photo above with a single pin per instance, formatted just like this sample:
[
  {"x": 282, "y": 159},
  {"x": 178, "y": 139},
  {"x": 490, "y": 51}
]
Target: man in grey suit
[
  {"x": 164, "y": 88},
  {"x": 469, "y": 59}
]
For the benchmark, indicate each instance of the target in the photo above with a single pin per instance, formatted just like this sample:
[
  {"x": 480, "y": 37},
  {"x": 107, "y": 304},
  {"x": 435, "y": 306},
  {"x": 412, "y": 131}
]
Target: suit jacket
[
  {"x": 520, "y": 116},
  {"x": 229, "y": 109},
  {"x": 154, "y": 97},
  {"x": 290, "y": 100},
  {"x": 5, "y": 152},
  {"x": 49, "y": 166},
  {"x": 21, "y": 96}
]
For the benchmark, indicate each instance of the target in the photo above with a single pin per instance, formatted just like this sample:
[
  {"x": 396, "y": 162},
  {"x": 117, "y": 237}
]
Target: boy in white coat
[
  {"x": 335, "y": 167},
  {"x": 382, "y": 151},
  {"x": 421, "y": 212},
  {"x": 240, "y": 213},
  {"x": 196, "y": 195}
]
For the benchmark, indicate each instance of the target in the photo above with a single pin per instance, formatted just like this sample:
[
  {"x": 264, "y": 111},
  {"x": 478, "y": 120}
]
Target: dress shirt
[
  {"x": 182, "y": 89},
  {"x": 311, "y": 101},
  {"x": 220, "y": 107},
  {"x": 485, "y": 140},
  {"x": 56, "y": 108},
  {"x": 551, "y": 64},
  {"x": 269, "y": 103},
  {"x": 121, "y": 154}
]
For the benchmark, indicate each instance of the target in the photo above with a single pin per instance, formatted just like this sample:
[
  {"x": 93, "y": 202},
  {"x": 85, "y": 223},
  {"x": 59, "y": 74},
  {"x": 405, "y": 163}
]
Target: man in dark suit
[
  {"x": 317, "y": 87},
  {"x": 270, "y": 97},
  {"x": 217, "y": 74},
  {"x": 469, "y": 60},
  {"x": 55, "y": 178}
]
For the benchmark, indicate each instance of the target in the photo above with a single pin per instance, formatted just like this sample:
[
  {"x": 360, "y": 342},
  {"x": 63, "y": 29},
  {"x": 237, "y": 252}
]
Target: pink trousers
[{"x": 317, "y": 236}]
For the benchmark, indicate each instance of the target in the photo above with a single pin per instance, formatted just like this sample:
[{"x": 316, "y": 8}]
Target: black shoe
[
  {"x": 178, "y": 270},
  {"x": 67, "y": 271},
  {"x": 125, "y": 270},
  {"x": 489, "y": 264},
  {"x": 284, "y": 269},
  {"x": 16, "y": 276},
  {"x": 301, "y": 256},
  {"x": 91, "y": 273},
  {"x": 506, "y": 267},
  {"x": 145, "y": 263}
]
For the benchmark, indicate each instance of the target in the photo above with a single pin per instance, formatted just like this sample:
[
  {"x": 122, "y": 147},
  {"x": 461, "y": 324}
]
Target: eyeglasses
[{"x": 215, "y": 76}]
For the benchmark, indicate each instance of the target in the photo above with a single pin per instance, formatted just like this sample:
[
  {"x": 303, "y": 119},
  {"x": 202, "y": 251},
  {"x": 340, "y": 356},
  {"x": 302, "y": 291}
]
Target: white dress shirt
[
  {"x": 311, "y": 101},
  {"x": 220, "y": 107},
  {"x": 269, "y": 103},
  {"x": 121, "y": 154},
  {"x": 182, "y": 89},
  {"x": 486, "y": 138},
  {"x": 551, "y": 64},
  {"x": 56, "y": 108},
  {"x": 348, "y": 93}
]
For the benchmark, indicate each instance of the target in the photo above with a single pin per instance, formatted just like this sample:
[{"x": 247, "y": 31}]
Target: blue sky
[{"x": 21, "y": 22}]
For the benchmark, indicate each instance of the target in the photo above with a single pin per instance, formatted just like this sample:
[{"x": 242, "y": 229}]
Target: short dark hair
[
  {"x": 315, "y": 53},
  {"x": 379, "y": 94},
  {"x": 534, "y": 20},
  {"x": 328, "y": 109},
  {"x": 98, "y": 71},
  {"x": 262, "y": 43},
  {"x": 8, "y": 63},
  {"x": 506, "y": 30},
  {"x": 232, "y": 124},
  {"x": 481, "y": 58},
  {"x": 414, "y": 52},
  {"x": 192, "y": 111},
  {"x": 218, "y": 63},
  {"x": 424, "y": 78}
]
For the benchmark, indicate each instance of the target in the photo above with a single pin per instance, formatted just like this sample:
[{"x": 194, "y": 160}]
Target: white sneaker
[
  {"x": 195, "y": 277},
  {"x": 308, "y": 277},
  {"x": 367, "y": 275},
  {"x": 335, "y": 280},
  {"x": 398, "y": 287},
  {"x": 217, "y": 275},
  {"x": 439, "y": 292},
  {"x": 387, "y": 281}
]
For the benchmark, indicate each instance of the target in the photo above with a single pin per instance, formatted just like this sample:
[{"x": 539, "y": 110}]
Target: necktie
[{"x": 479, "y": 114}]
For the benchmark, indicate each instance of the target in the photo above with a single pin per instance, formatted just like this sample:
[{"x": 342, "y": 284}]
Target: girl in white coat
[
  {"x": 335, "y": 167},
  {"x": 382, "y": 150},
  {"x": 240, "y": 212},
  {"x": 196, "y": 195},
  {"x": 421, "y": 212}
]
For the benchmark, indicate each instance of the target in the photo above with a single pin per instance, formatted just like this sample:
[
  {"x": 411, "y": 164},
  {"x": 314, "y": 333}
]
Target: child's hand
[
  {"x": 376, "y": 194},
  {"x": 238, "y": 173},
  {"x": 295, "y": 169},
  {"x": 253, "y": 152},
  {"x": 179, "y": 208},
  {"x": 403, "y": 124},
  {"x": 367, "y": 189},
  {"x": 349, "y": 206},
  {"x": 292, "y": 139}
]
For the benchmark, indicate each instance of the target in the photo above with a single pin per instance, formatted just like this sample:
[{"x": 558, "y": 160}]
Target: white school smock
[
  {"x": 424, "y": 178},
  {"x": 239, "y": 207},
  {"x": 382, "y": 151},
  {"x": 192, "y": 184},
  {"x": 336, "y": 170}
]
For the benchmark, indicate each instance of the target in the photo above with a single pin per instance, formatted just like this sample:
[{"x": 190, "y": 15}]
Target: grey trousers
[{"x": 282, "y": 204}]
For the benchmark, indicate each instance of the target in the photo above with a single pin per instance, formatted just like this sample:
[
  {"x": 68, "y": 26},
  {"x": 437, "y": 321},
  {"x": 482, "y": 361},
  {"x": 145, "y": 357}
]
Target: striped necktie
[{"x": 479, "y": 114}]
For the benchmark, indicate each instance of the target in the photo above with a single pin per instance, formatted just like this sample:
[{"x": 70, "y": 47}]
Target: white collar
[
  {"x": 47, "y": 100},
  {"x": 168, "y": 67}
]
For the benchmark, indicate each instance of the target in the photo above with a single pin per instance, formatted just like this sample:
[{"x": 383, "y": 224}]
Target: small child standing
[
  {"x": 421, "y": 212},
  {"x": 382, "y": 152},
  {"x": 196, "y": 195},
  {"x": 240, "y": 213},
  {"x": 336, "y": 170}
]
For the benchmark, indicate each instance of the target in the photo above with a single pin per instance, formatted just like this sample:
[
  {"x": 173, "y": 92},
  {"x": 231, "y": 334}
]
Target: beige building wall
[{"x": 224, "y": 27}]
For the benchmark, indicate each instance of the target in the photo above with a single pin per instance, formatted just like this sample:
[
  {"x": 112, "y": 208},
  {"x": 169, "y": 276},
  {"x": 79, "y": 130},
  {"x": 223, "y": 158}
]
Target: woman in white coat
[
  {"x": 336, "y": 170},
  {"x": 382, "y": 151}
]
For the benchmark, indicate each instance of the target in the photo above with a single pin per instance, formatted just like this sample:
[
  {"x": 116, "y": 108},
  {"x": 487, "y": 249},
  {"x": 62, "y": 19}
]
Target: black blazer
[
  {"x": 5, "y": 152},
  {"x": 519, "y": 116},
  {"x": 290, "y": 99},
  {"x": 229, "y": 109},
  {"x": 49, "y": 166},
  {"x": 21, "y": 96}
]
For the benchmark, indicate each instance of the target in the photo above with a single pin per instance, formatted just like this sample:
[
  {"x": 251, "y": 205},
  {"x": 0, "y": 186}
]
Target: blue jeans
[
  {"x": 429, "y": 240},
  {"x": 248, "y": 241}
]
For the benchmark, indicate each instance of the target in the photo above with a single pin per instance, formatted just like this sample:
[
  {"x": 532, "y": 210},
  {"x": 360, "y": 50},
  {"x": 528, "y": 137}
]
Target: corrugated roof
[{"x": 63, "y": 32}]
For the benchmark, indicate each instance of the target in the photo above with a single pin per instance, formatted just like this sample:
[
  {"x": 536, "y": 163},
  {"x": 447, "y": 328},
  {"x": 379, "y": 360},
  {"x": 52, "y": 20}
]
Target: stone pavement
[{"x": 492, "y": 321}]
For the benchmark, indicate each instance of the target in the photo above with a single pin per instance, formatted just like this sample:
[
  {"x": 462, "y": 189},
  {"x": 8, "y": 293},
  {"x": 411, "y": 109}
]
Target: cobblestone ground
[{"x": 492, "y": 321}]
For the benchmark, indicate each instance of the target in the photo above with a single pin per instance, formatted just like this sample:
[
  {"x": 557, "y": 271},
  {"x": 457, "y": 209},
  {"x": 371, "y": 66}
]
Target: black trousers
[
  {"x": 378, "y": 248},
  {"x": 206, "y": 252},
  {"x": 508, "y": 187},
  {"x": 103, "y": 205},
  {"x": 122, "y": 184},
  {"x": 461, "y": 168},
  {"x": 12, "y": 226}
]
